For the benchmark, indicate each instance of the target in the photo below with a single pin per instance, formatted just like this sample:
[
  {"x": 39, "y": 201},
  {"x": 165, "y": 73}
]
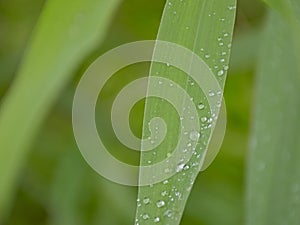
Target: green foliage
[
  {"x": 274, "y": 171},
  {"x": 164, "y": 202},
  {"x": 70, "y": 29},
  {"x": 57, "y": 187}
]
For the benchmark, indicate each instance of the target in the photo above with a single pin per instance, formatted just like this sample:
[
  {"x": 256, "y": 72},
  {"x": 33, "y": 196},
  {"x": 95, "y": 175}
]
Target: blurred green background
[{"x": 57, "y": 187}]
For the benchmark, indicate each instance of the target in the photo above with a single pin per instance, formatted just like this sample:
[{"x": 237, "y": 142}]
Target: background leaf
[
  {"x": 70, "y": 30},
  {"x": 273, "y": 195}
]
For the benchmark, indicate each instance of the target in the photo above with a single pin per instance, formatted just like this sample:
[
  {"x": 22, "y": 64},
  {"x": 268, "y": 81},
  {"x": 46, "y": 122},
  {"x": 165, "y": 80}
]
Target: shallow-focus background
[{"x": 57, "y": 187}]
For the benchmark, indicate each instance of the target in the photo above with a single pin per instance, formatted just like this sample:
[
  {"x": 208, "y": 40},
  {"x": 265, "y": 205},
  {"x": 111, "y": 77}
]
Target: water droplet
[
  {"x": 145, "y": 216},
  {"x": 160, "y": 204},
  {"x": 203, "y": 119},
  {"x": 226, "y": 68},
  {"x": 178, "y": 194},
  {"x": 156, "y": 219},
  {"x": 201, "y": 106},
  {"x": 194, "y": 135},
  {"x": 168, "y": 213},
  {"x": 211, "y": 94},
  {"x": 186, "y": 167},
  {"x": 146, "y": 200},
  {"x": 221, "y": 72},
  {"x": 207, "y": 56},
  {"x": 180, "y": 167},
  {"x": 164, "y": 193}
]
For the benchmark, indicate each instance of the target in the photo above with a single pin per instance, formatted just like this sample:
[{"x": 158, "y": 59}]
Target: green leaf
[
  {"x": 66, "y": 32},
  {"x": 273, "y": 195},
  {"x": 289, "y": 9},
  {"x": 282, "y": 6},
  {"x": 205, "y": 27}
]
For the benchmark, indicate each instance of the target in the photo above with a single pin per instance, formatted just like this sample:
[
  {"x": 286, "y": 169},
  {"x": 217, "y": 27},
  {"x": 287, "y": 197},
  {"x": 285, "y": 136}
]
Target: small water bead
[
  {"x": 178, "y": 194},
  {"x": 207, "y": 56},
  {"x": 222, "y": 60},
  {"x": 168, "y": 64},
  {"x": 221, "y": 72},
  {"x": 145, "y": 216},
  {"x": 146, "y": 200},
  {"x": 211, "y": 94},
  {"x": 226, "y": 68},
  {"x": 187, "y": 167},
  {"x": 201, "y": 106},
  {"x": 165, "y": 182},
  {"x": 168, "y": 213},
  {"x": 160, "y": 204},
  {"x": 156, "y": 219},
  {"x": 180, "y": 167},
  {"x": 194, "y": 135},
  {"x": 164, "y": 193},
  {"x": 203, "y": 119},
  {"x": 231, "y": 7}
]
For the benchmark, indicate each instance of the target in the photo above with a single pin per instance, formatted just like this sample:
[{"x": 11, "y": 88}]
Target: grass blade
[
  {"x": 205, "y": 27},
  {"x": 274, "y": 171},
  {"x": 66, "y": 32}
]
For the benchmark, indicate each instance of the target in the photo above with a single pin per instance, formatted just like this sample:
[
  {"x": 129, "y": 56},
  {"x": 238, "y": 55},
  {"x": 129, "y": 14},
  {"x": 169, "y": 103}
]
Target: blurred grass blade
[
  {"x": 289, "y": 9},
  {"x": 281, "y": 6},
  {"x": 205, "y": 27},
  {"x": 273, "y": 195},
  {"x": 66, "y": 32}
]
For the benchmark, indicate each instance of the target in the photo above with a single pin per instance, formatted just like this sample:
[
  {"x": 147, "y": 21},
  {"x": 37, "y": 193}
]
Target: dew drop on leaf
[{"x": 160, "y": 204}]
